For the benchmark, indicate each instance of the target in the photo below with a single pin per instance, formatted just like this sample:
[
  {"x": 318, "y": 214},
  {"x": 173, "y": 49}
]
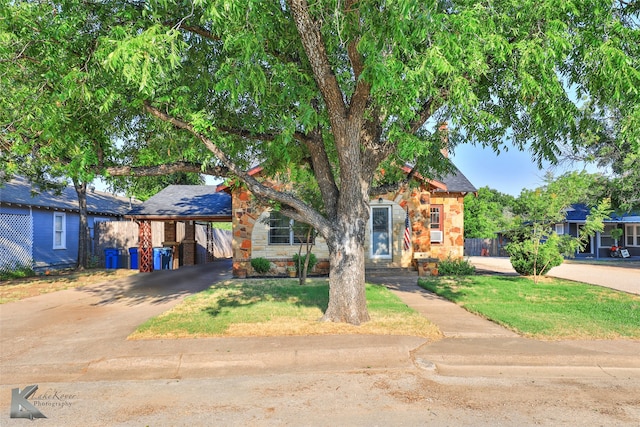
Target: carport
[{"x": 178, "y": 203}]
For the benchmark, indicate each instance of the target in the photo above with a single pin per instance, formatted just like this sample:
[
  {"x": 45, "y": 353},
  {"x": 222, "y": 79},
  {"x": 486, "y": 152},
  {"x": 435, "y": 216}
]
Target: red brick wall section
[{"x": 170, "y": 231}]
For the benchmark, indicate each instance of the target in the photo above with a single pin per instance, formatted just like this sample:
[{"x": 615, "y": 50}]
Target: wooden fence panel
[
  {"x": 484, "y": 247},
  {"x": 218, "y": 241}
]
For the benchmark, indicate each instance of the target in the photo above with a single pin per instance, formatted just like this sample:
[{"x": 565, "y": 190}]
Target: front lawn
[
  {"x": 275, "y": 307},
  {"x": 552, "y": 309}
]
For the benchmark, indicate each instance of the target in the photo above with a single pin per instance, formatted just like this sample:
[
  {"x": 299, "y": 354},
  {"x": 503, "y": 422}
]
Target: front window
[
  {"x": 285, "y": 231},
  {"x": 59, "y": 231},
  {"x": 632, "y": 233},
  {"x": 436, "y": 218},
  {"x": 435, "y": 224},
  {"x": 605, "y": 236}
]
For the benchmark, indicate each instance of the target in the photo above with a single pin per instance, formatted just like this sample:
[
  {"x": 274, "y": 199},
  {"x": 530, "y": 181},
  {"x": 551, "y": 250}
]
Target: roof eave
[
  {"x": 211, "y": 218},
  {"x": 437, "y": 184},
  {"x": 59, "y": 209}
]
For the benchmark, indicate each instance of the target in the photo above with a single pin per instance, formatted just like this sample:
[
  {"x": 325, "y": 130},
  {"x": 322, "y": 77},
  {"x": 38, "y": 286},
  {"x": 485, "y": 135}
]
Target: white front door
[{"x": 380, "y": 223}]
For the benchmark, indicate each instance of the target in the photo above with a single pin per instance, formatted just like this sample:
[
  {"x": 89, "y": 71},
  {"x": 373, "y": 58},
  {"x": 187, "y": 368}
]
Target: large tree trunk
[
  {"x": 347, "y": 300},
  {"x": 83, "y": 230}
]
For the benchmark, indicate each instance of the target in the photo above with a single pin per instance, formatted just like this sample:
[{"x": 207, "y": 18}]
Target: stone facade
[
  {"x": 250, "y": 232},
  {"x": 453, "y": 225}
]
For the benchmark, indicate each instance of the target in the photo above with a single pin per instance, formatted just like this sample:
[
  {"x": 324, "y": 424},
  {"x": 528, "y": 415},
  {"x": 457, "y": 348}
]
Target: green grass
[
  {"x": 222, "y": 225},
  {"x": 279, "y": 307},
  {"x": 552, "y": 309}
]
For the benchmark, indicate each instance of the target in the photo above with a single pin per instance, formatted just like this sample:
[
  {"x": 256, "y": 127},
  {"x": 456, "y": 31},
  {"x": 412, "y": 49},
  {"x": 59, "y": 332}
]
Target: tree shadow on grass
[
  {"x": 245, "y": 295},
  {"x": 451, "y": 288},
  {"x": 454, "y": 288}
]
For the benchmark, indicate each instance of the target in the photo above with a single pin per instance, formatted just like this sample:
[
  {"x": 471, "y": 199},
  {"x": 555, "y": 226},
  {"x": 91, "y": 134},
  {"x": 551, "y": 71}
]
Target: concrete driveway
[
  {"x": 81, "y": 335},
  {"x": 625, "y": 277},
  {"x": 75, "y": 326}
]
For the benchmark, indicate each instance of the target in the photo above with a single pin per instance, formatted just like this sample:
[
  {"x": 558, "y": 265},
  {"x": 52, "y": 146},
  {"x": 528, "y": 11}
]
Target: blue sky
[{"x": 509, "y": 172}]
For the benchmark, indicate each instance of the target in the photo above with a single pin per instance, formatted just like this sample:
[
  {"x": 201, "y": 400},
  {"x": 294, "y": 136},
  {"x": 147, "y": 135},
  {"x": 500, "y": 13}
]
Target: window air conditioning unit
[{"x": 436, "y": 236}]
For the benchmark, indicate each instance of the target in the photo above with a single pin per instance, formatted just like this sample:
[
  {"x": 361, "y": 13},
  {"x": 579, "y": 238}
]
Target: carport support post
[
  {"x": 170, "y": 240},
  {"x": 189, "y": 244},
  {"x": 145, "y": 247}
]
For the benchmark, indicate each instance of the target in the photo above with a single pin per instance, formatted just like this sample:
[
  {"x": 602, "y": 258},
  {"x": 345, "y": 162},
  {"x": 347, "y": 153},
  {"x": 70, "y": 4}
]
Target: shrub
[
  {"x": 531, "y": 258},
  {"x": 455, "y": 267},
  {"x": 261, "y": 265},
  {"x": 16, "y": 271},
  {"x": 312, "y": 260}
]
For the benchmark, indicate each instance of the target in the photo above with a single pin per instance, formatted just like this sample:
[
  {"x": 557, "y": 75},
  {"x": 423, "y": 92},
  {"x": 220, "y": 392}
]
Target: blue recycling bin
[
  {"x": 167, "y": 258},
  {"x": 133, "y": 258},
  {"x": 111, "y": 258},
  {"x": 157, "y": 258},
  {"x": 162, "y": 258}
]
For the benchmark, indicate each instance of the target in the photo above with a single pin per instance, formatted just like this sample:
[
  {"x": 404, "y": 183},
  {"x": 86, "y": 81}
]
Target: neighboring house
[
  {"x": 599, "y": 246},
  {"x": 41, "y": 230},
  {"x": 434, "y": 210}
]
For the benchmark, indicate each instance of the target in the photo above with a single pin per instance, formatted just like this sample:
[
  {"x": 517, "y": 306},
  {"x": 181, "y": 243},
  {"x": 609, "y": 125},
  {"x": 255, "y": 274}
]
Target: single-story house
[
  {"x": 41, "y": 230},
  {"x": 425, "y": 221},
  {"x": 599, "y": 246},
  {"x": 431, "y": 215}
]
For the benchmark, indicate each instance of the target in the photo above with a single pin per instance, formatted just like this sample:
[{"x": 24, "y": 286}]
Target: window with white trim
[
  {"x": 559, "y": 229},
  {"x": 605, "y": 235},
  {"x": 285, "y": 231},
  {"x": 59, "y": 230},
  {"x": 632, "y": 234},
  {"x": 436, "y": 223},
  {"x": 436, "y": 217}
]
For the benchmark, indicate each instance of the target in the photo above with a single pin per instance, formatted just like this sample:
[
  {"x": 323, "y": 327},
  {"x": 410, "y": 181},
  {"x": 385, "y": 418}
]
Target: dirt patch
[{"x": 17, "y": 289}]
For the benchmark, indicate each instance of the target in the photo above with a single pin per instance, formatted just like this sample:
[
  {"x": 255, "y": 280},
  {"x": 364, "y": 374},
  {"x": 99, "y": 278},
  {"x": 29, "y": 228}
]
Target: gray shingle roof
[
  {"x": 185, "y": 202},
  {"x": 18, "y": 191},
  {"x": 456, "y": 182}
]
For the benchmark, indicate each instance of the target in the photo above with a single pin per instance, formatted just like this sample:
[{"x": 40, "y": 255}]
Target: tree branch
[
  {"x": 361, "y": 94},
  {"x": 258, "y": 189},
  {"x": 203, "y": 32},
  {"x": 394, "y": 186},
  {"x": 317, "y": 55},
  {"x": 323, "y": 171},
  {"x": 166, "y": 169}
]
